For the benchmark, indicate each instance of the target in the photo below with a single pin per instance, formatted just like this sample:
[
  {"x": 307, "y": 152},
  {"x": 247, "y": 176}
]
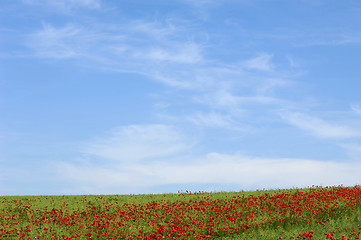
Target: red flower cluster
[{"x": 201, "y": 217}]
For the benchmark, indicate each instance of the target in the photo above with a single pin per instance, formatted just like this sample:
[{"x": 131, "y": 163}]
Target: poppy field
[{"x": 308, "y": 213}]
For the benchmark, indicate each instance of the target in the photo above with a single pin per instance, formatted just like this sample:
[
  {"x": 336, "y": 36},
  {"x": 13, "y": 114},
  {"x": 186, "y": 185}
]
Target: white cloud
[
  {"x": 353, "y": 150},
  {"x": 159, "y": 51},
  {"x": 199, "y": 2},
  {"x": 58, "y": 43},
  {"x": 132, "y": 159},
  {"x": 271, "y": 84},
  {"x": 235, "y": 104},
  {"x": 146, "y": 43},
  {"x": 135, "y": 143},
  {"x": 316, "y": 36},
  {"x": 356, "y": 108},
  {"x": 291, "y": 61},
  {"x": 185, "y": 53},
  {"x": 320, "y": 127},
  {"x": 213, "y": 168},
  {"x": 74, "y": 41},
  {"x": 261, "y": 63},
  {"x": 332, "y": 38},
  {"x": 155, "y": 49},
  {"x": 203, "y": 77},
  {"x": 65, "y": 4},
  {"x": 160, "y": 31},
  {"x": 212, "y": 119}
]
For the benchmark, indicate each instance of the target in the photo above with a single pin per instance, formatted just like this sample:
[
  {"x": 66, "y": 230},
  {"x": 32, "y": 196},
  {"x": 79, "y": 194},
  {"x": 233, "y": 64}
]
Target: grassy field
[{"x": 310, "y": 213}]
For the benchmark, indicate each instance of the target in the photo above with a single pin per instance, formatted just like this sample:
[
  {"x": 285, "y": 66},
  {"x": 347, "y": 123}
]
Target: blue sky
[{"x": 119, "y": 97}]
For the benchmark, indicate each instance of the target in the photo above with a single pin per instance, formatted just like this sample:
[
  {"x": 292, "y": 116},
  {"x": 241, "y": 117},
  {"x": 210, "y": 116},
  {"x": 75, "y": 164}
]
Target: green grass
[{"x": 21, "y": 209}]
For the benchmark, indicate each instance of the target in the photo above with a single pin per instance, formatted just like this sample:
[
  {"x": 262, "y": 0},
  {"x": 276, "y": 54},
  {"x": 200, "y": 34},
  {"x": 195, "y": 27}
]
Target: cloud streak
[
  {"x": 145, "y": 156},
  {"x": 65, "y": 4},
  {"x": 261, "y": 63},
  {"x": 206, "y": 170},
  {"x": 356, "y": 108},
  {"x": 147, "y": 44},
  {"x": 58, "y": 43},
  {"x": 171, "y": 60},
  {"x": 319, "y": 127},
  {"x": 136, "y": 143},
  {"x": 187, "y": 53},
  {"x": 353, "y": 150}
]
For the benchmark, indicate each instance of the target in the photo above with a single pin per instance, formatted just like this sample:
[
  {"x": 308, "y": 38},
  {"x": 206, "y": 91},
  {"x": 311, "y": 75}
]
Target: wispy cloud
[
  {"x": 75, "y": 41},
  {"x": 208, "y": 169},
  {"x": 170, "y": 60},
  {"x": 271, "y": 84},
  {"x": 333, "y": 38},
  {"x": 112, "y": 46},
  {"x": 58, "y": 43},
  {"x": 65, "y": 4},
  {"x": 212, "y": 119},
  {"x": 353, "y": 150},
  {"x": 234, "y": 104},
  {"x": 187, "y": 53},
  {"x": 319, "y": 127},
  {"x": 135, "y": 143},
  {"x": 134, "y": 158},
  {"x": 163, "y": 52},
  {"x": 356, "y": 108},
  {"x": 319, "y": 37},
  {"x": 199, "y": 3},
  {"x": 261, "y": 63}
]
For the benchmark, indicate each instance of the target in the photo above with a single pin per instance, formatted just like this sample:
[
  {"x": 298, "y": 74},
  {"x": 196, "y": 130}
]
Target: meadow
[{"x": 309, "y": 213}]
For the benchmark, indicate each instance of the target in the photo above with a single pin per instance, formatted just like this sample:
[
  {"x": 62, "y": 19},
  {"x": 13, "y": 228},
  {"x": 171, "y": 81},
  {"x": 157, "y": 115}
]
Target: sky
[{"x": 134, "y": 97}]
